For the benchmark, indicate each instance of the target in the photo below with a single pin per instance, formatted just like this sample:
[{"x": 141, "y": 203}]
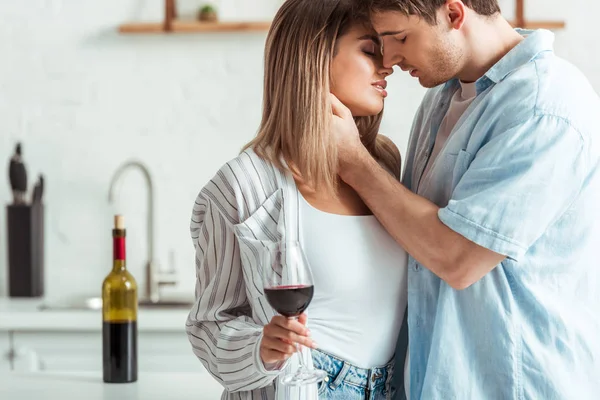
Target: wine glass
[{"x": 288, "y": 285}]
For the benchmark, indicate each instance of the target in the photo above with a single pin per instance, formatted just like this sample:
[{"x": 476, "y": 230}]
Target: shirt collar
[{"x": 535, "y": 42}]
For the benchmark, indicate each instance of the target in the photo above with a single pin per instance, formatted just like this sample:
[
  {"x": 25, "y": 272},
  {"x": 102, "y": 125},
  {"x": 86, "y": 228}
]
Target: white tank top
[{"x": 360, "y": 278}]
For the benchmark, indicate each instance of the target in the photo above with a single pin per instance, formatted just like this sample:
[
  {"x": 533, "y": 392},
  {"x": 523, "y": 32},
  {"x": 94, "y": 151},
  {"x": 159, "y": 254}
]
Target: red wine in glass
[
  {"x": 290, "y": 300},
  {"x": 289, "y": 288}
]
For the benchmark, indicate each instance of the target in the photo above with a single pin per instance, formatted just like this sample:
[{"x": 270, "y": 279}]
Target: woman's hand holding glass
[
  {"x": 280, "y": 337},
  {"x": 289, "y": 289}
]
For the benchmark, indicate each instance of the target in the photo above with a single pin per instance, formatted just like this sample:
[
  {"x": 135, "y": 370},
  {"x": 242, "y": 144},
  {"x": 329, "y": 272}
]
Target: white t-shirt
[
  {"x": 360, "y": 280},
  {"x": 458, "y": 105}
]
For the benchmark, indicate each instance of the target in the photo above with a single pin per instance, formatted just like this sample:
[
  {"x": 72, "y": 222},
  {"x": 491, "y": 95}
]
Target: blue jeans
[{"x": 345, "y": 381}]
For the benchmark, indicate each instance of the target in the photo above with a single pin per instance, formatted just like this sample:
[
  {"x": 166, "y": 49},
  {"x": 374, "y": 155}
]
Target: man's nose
[
  {"x": 385, "y": 71},
  {"x": 391, "y": 55},
  {"x": 391, "y": 58}
]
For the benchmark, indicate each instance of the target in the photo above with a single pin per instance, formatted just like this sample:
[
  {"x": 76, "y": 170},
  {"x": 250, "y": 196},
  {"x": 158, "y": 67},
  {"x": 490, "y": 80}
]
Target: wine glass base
[{"x": 304, "y": 377}]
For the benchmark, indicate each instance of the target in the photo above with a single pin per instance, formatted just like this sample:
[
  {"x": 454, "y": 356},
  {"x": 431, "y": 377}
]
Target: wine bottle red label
[{"x": 119, "y": 248}]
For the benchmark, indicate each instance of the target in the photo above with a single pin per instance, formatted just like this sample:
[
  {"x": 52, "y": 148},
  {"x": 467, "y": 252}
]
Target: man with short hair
[{"x": 498, "y": 208}]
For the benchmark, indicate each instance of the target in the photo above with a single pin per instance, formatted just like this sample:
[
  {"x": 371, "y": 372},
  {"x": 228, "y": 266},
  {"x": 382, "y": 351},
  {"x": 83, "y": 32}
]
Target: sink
[{"x": 95, "y": 303}]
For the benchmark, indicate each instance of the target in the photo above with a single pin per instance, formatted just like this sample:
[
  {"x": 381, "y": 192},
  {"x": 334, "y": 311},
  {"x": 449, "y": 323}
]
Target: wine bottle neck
[
  {"x": 119, "y": 265},
  {"x": 119, "y": 249}
]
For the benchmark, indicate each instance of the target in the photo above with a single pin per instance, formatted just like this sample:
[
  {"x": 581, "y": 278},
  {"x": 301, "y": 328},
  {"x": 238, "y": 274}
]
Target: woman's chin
[{"x": 367, "y": 110}]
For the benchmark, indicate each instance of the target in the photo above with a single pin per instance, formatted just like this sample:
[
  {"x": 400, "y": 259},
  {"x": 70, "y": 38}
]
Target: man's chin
[
  {"x": 427, "y": 83},
  {"x": 430, "y": 83}
]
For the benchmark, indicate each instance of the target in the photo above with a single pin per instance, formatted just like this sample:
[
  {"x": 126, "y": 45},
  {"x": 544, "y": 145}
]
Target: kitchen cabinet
[
  {"x": 5, "y": 353},
  {"x": 149, "y": 386},
  {"x": 82, "y": 351},
  {"x": 32, "y": 340}
]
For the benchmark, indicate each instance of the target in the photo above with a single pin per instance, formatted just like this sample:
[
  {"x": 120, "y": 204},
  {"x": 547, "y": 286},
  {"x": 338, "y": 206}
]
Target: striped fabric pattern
[{"x": 234, "y": 216}]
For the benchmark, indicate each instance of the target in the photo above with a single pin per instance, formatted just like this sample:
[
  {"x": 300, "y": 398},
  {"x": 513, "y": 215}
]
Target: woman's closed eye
[{"x": 370, "y": 49}]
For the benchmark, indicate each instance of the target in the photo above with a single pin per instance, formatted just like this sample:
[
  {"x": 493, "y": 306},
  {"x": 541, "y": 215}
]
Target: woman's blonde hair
[{"x": 296, "y": 117}]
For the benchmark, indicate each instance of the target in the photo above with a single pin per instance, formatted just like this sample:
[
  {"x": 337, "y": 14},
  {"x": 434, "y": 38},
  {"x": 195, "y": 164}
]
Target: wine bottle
[{"x": 119, "y": 315}]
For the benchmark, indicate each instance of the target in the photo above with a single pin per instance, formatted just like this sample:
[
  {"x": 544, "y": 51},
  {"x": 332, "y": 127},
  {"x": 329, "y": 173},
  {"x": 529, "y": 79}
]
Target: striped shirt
[{"x": 248, "y": 203}]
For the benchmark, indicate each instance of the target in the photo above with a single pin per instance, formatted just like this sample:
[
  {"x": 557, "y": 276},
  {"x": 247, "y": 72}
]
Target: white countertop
[
  {"x": 25, "y": 315},
  {"x": 89, "y": 386}
]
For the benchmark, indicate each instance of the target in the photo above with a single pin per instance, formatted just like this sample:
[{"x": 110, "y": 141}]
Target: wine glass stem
[
  {"x": 300, "y": 355},
  {"x": 299, "y": 351}
]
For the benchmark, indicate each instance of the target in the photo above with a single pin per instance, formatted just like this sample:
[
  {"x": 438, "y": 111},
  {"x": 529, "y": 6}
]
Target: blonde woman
[{"x": 285, "y": 186}]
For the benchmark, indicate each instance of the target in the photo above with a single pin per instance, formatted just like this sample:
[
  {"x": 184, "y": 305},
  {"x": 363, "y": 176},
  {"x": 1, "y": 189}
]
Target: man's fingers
[{"x": 338, "y": 108}]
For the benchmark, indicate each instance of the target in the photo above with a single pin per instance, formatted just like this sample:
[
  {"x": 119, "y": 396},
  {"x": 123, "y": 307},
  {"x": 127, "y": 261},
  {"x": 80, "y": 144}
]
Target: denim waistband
[{"x": 342, "y": 371}]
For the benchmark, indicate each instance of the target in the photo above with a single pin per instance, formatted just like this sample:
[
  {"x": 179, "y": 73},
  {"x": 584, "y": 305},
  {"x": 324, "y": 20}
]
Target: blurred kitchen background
[{"x": 83, "y": 99}]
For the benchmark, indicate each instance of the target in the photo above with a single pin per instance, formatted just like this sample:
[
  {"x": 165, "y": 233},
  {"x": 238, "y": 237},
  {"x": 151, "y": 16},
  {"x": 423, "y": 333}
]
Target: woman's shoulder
[
  {"x": 242, "y": 184},
  {"x": 248, "y": 171}
]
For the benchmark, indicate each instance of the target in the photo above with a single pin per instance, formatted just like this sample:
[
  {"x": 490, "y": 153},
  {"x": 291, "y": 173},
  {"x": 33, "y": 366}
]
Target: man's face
[{"x": 430, "y": 53}]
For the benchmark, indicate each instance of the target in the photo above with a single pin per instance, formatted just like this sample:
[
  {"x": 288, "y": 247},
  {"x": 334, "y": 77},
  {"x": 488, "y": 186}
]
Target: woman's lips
[{"x": 380, "y": 87}]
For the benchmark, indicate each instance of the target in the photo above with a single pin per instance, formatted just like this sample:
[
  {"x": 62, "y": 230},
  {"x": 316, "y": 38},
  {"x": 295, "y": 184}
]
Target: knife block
[{"x": 25, "y": 232}]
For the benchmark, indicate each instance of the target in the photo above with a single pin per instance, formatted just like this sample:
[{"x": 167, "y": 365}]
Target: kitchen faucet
[{"x": 154, "y": 277}]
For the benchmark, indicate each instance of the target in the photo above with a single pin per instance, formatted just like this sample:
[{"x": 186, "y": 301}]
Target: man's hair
[{"x": 425, "y": 9}]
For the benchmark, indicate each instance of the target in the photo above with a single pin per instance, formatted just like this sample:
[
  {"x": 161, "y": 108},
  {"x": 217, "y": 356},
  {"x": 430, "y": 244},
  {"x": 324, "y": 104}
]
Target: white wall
[{"x": 83, "y": 99}]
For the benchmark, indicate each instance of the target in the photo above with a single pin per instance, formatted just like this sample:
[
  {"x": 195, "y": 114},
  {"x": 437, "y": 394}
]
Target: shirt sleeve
[
  {"x": 220, "y": 327},
  {"x": 517, "y": 185}
]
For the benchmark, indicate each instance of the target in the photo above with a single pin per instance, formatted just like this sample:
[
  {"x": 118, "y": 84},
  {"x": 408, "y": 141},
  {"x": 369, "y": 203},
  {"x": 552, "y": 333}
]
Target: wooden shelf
[
  {"x": 522, "y": 22},
  {"x": 183, "y": 26},
  {"x": 539, "y": 24},
  {"x": 142, "y": 27},
  {"x": 178, "y": 26},
  {"x": 172, "y": 24}
]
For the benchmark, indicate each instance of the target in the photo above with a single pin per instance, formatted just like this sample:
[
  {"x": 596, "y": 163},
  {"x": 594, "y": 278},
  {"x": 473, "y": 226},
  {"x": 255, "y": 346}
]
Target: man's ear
[{"x": 454, "y": 13}]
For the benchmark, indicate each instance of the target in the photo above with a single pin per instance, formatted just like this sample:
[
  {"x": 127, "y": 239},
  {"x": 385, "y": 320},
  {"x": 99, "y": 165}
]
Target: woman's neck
[{"x": 347, "y": 201}]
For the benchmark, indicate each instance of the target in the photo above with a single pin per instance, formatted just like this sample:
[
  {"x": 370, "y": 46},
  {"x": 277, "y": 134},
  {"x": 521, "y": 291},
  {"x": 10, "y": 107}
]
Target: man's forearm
[{"x": 413, "y": 222}]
